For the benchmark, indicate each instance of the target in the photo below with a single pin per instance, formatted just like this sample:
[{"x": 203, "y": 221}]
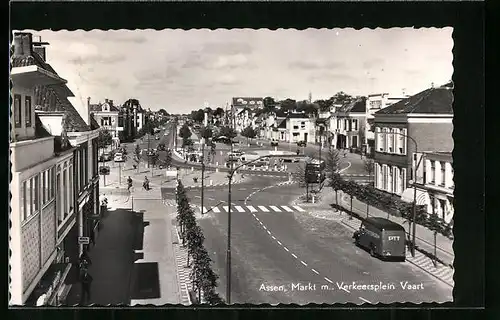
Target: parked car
[
  {"x": 161, "y": 147},
  {"x": 274, "y": 143},
  {"x": 119, "y": 157},
  {"x": 157, "y": 137},
  {"x": 237, "y": 152},
  {"x": 301, "y": 143},
  {"x": 105, "y": 157},
  {"x": 382, "y": 237}
]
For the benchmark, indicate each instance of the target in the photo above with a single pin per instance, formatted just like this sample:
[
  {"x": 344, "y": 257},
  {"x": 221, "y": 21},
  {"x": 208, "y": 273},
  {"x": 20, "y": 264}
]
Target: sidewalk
[{"x": 156, "y": 256}]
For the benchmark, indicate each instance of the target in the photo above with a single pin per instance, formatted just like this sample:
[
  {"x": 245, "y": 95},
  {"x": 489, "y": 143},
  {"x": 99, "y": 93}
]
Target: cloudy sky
[{"x": 181, "y": 70}]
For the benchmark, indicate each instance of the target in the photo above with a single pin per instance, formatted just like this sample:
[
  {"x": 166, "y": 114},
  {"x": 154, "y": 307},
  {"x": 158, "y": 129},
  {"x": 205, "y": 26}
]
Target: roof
[
  {"x": 281, "y": 124},
  {"x": 44, "y": 101},
  {"x": 438, "y": 100},
  {"x": 384, "y": 223},
  {"x": 40, "y": 131},
  {"x": 94, "y": 125},
  {"x": 298, "y": 116},
  {"x": 52, "y": 98},
  {"x": 98, "y": 107},
  {"x": 358, "y": 105}
]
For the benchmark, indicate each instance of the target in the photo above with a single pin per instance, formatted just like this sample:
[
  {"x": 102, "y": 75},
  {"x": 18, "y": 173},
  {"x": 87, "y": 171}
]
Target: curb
[{"x": 182, "y": 271}]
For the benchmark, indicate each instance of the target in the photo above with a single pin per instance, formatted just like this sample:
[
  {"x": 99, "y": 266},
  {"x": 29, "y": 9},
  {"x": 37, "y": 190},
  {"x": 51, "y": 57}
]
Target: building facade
[
  {"x": 300, "y": 127},
  {"x": 347, "y": 124},
  {"x": 106, "y": 116},
  {"x": 434, "y": 183},
  {"x": 424, "y": 122}
]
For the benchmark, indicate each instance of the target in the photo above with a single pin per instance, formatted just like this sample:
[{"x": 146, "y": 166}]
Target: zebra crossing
[{"x": 250, "y": 209}]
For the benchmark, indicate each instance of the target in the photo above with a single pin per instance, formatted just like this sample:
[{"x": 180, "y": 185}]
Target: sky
[{"x": 180, "y": 70}]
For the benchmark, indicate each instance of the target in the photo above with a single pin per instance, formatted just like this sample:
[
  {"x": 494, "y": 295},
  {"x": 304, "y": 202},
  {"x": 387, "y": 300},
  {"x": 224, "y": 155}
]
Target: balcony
[{"x": 28, "y": 153}]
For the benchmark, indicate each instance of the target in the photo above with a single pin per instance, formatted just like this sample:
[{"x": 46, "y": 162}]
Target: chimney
[
  {"x": 41, "y": 52},
  {"x": 106, "y": 101},
  {"x": 432, "y": 84},
  {"x": 22, "y": 44},
  {"x": 110, "y": 102}
]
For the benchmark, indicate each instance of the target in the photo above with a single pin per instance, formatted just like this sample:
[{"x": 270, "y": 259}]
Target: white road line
[
  {"x": 345, "y": 289},
  {"x": 239, "y": 208},
  {"x": 261, "y": 223},
  {"x": 263, "y": 208},
  {"x": 255, "y": 188},
  {"x": 276, "y": 209},
  {"x": 210, "y": 198},
  {"x": 197, "y": 196},
  {"x": 303, "y": 263},
  {"x": 204, "y": 209},
  {"x": 293, "y": 255},
  {"x": 216, "y": 209},
  {"x": 274, "y": 238},
  {"x": 263, "y": 226},
  {"x": 286, "y": 249},
  {"x": 287, "y": 209},
  {"x": 226, "y": 208},
  {"x": 328, "y": 280},
  {"x": 367, "y": 301},
  {"x": 279, "y": 242},
  {"x": 315, "y": 271},
  {"x": 252, "y": 209},
  {"x": 299, "y": 208},
  {"x": 256, "y": 218},
  {"x": 269, "y": 232}
]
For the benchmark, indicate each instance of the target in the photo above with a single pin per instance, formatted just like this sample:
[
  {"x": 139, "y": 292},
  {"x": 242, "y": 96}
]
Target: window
[
  {"x": 44, "y": 188},
  {"x": 354, "y": 141},
  {"x": 402, "y": 141},
  {"x": 403, "y": 179},
  {"x": 23, "y": 201},
  {"x": 389, "y": 179},
  {"x": 355, "y": 124},
  {"x": 70, "y": 186},
  {"x": 29, "y": 197},
  {"x": 443, "y": 174},
  {"x": 397, "y": 180},
  {"x": 27, "y": 110},
  {"x": 390, "y": 140},
  {"x": 433, "y": 172},
  {"x": 52, "y": 186},
  {"x": 295, "y": 127},
  {"x": 64, "y": 191},
  {"x": 303, "y": 125},
  {"x": 60, "y": 200},
  {"x": 36, "y": 194},
  {"x": 338, "y": 124},
  {"x": 382, "y": 136},
  {"x": 384, "y": 177},
  {"x": 17, "y": 111}
]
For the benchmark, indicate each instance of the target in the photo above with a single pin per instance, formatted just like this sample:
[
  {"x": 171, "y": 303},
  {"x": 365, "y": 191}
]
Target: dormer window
[
  {"x": 17, "y": 110},
  {"x": 27, "y": 110}
]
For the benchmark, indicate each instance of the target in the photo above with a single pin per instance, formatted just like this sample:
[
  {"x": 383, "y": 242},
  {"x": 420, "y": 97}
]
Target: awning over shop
[{"x": 422, "y": 196}]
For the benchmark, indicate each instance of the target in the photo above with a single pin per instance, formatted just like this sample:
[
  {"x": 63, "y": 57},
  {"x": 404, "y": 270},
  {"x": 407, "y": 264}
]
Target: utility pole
[{"x": 228, "y": 258}]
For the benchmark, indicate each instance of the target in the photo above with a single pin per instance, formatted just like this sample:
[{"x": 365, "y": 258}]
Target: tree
[
  {"x": 219, "y": 112},
  {"x": 206, "y": 133},
  {"x": 187, "y": 142},
  {"x": 288, "y": 105},
  {"x": 269, "y": 104},
  {"x": 198, "y": 115},
  {"x": 121, "y": 136},
  {"x": 369, "y": 165},
  {"x": 332, "y": 162},
  {"x": 163, "y": 112},
  {"x": 249, "y": 133},
  {"x": 165, "y": 158},
  {"x": 227, "y": 132},
  {"x": 337, "y": 183},
  {"x": 323, "y": 105},
  {"x": 154, "y": 158},
  {"x": 350, "y": 188},
  {"x": 137, "y": 156},
  {"x": 185, "y": 132},
  {"x": 104, "y": 139}
]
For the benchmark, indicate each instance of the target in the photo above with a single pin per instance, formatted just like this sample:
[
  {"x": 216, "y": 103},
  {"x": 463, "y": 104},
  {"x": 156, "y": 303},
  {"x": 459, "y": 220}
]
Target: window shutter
[{"x": 405, "y": 139}]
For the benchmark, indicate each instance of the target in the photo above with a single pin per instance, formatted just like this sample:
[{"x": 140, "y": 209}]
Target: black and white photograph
[{"x": 231, "y": 166}]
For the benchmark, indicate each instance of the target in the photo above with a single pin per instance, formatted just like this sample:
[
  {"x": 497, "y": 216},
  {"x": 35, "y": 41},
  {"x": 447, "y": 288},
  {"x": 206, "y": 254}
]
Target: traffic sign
[
  {"x": 171, "y": 173},
  {"x": 83, "y": 240}
]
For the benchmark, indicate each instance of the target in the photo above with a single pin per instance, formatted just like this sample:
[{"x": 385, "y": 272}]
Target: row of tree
[{"x": 203, "y": 277}]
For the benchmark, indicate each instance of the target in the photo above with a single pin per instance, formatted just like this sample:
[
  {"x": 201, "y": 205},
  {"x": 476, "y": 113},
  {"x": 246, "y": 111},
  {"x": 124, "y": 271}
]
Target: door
[
  {"x": 305, "y": 137},
  {"x": 355, "y": 141}
]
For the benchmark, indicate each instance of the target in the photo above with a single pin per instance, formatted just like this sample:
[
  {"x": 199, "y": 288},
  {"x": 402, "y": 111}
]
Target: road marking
[
  {"x": 263, "y": 208},
  {"x": 274, "y": 238},
  {"x": 299, "y": 208},
  {"x": 279, "y": 242},
  {"x": 252, "y": 209},
  {"x": 303, "y": 263},
  {"x": 269, "y": 232},
  {"x": 367, "y": 301},
  {"x": 276, "y": 209},
  {"x": 255, "y": 188},
  {"x": 226, "y": 208},
  {"x": 215, "y": 209},
  {"x": 210, "y": 198},
  {"x": 293, "y": 255},
  {"x": 345, "y": 289},
  {"x": 242, "y": 189},
  {"x": 261, "y": 223},
  {"x": 287, "y": 209},
  {"x": 344, "y": 169},
  {"x": 286, "y": 249},
  {"x": 328, "y": 280},
  {"x": 239, "y": 208},
  {"x": 315, "y": 271},
  {"x": 204, "y": 210},
  {"x": 256, "y": 218},
  {"x": 263, "y": 226}
]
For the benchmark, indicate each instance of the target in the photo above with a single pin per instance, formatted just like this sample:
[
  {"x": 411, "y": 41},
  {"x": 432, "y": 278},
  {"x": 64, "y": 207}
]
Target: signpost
[{"x": 83, "y": 240}]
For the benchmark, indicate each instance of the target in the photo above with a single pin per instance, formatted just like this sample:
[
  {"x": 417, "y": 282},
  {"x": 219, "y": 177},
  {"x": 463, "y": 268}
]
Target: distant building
[
  {"x": 300, "y": 127},
  {"x": 347, "y": 124},
  {"x": 106, "y": 115},
  {"x": 131, "y": 119},
  {"x": 240, "y": 103},
  {"x": 427, "y": 118}
]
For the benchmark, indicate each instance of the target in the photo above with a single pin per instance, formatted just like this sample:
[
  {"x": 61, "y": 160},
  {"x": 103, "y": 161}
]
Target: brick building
[{"x": 425, "y": 118}]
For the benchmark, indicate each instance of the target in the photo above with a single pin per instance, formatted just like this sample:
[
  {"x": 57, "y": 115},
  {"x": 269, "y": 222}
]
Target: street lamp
[
  {"x": 413, "y": 181},
  {"x": 203, "y": 172}
]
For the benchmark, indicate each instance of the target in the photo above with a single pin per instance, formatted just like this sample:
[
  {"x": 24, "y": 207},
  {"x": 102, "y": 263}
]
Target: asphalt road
[{"x": 297, "y": 258}]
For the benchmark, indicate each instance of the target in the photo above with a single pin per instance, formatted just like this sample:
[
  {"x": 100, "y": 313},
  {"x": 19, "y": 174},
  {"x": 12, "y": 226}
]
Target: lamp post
[
  {"x": 202, "y": 173},
  {"x": 413, "y": 181}
]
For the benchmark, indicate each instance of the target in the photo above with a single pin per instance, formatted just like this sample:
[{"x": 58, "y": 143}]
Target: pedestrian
[
  {"x": 85, "y": 260},
  {"x": 129, "y": 183},
  {"x": 86, "y": 281}
]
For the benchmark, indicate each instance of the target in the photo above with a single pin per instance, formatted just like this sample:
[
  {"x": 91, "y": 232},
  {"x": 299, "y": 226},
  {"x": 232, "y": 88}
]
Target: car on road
[
  {"x": 157, "y": 137},
  {"x": 301, "y": 143},
  {"x": 382, "y": 238},
  {"x": 237, "y": 153},
  {"x": 119, "y": 157},
  {"x": 105, "y": 157},
  {"x": 274, "y": 143},
  {"x": 161, "y": 147}
]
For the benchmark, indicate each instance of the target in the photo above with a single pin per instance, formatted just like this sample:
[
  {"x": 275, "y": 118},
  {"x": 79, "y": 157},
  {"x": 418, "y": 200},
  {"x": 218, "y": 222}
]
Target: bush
[{"x": 204, "y": 278}]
